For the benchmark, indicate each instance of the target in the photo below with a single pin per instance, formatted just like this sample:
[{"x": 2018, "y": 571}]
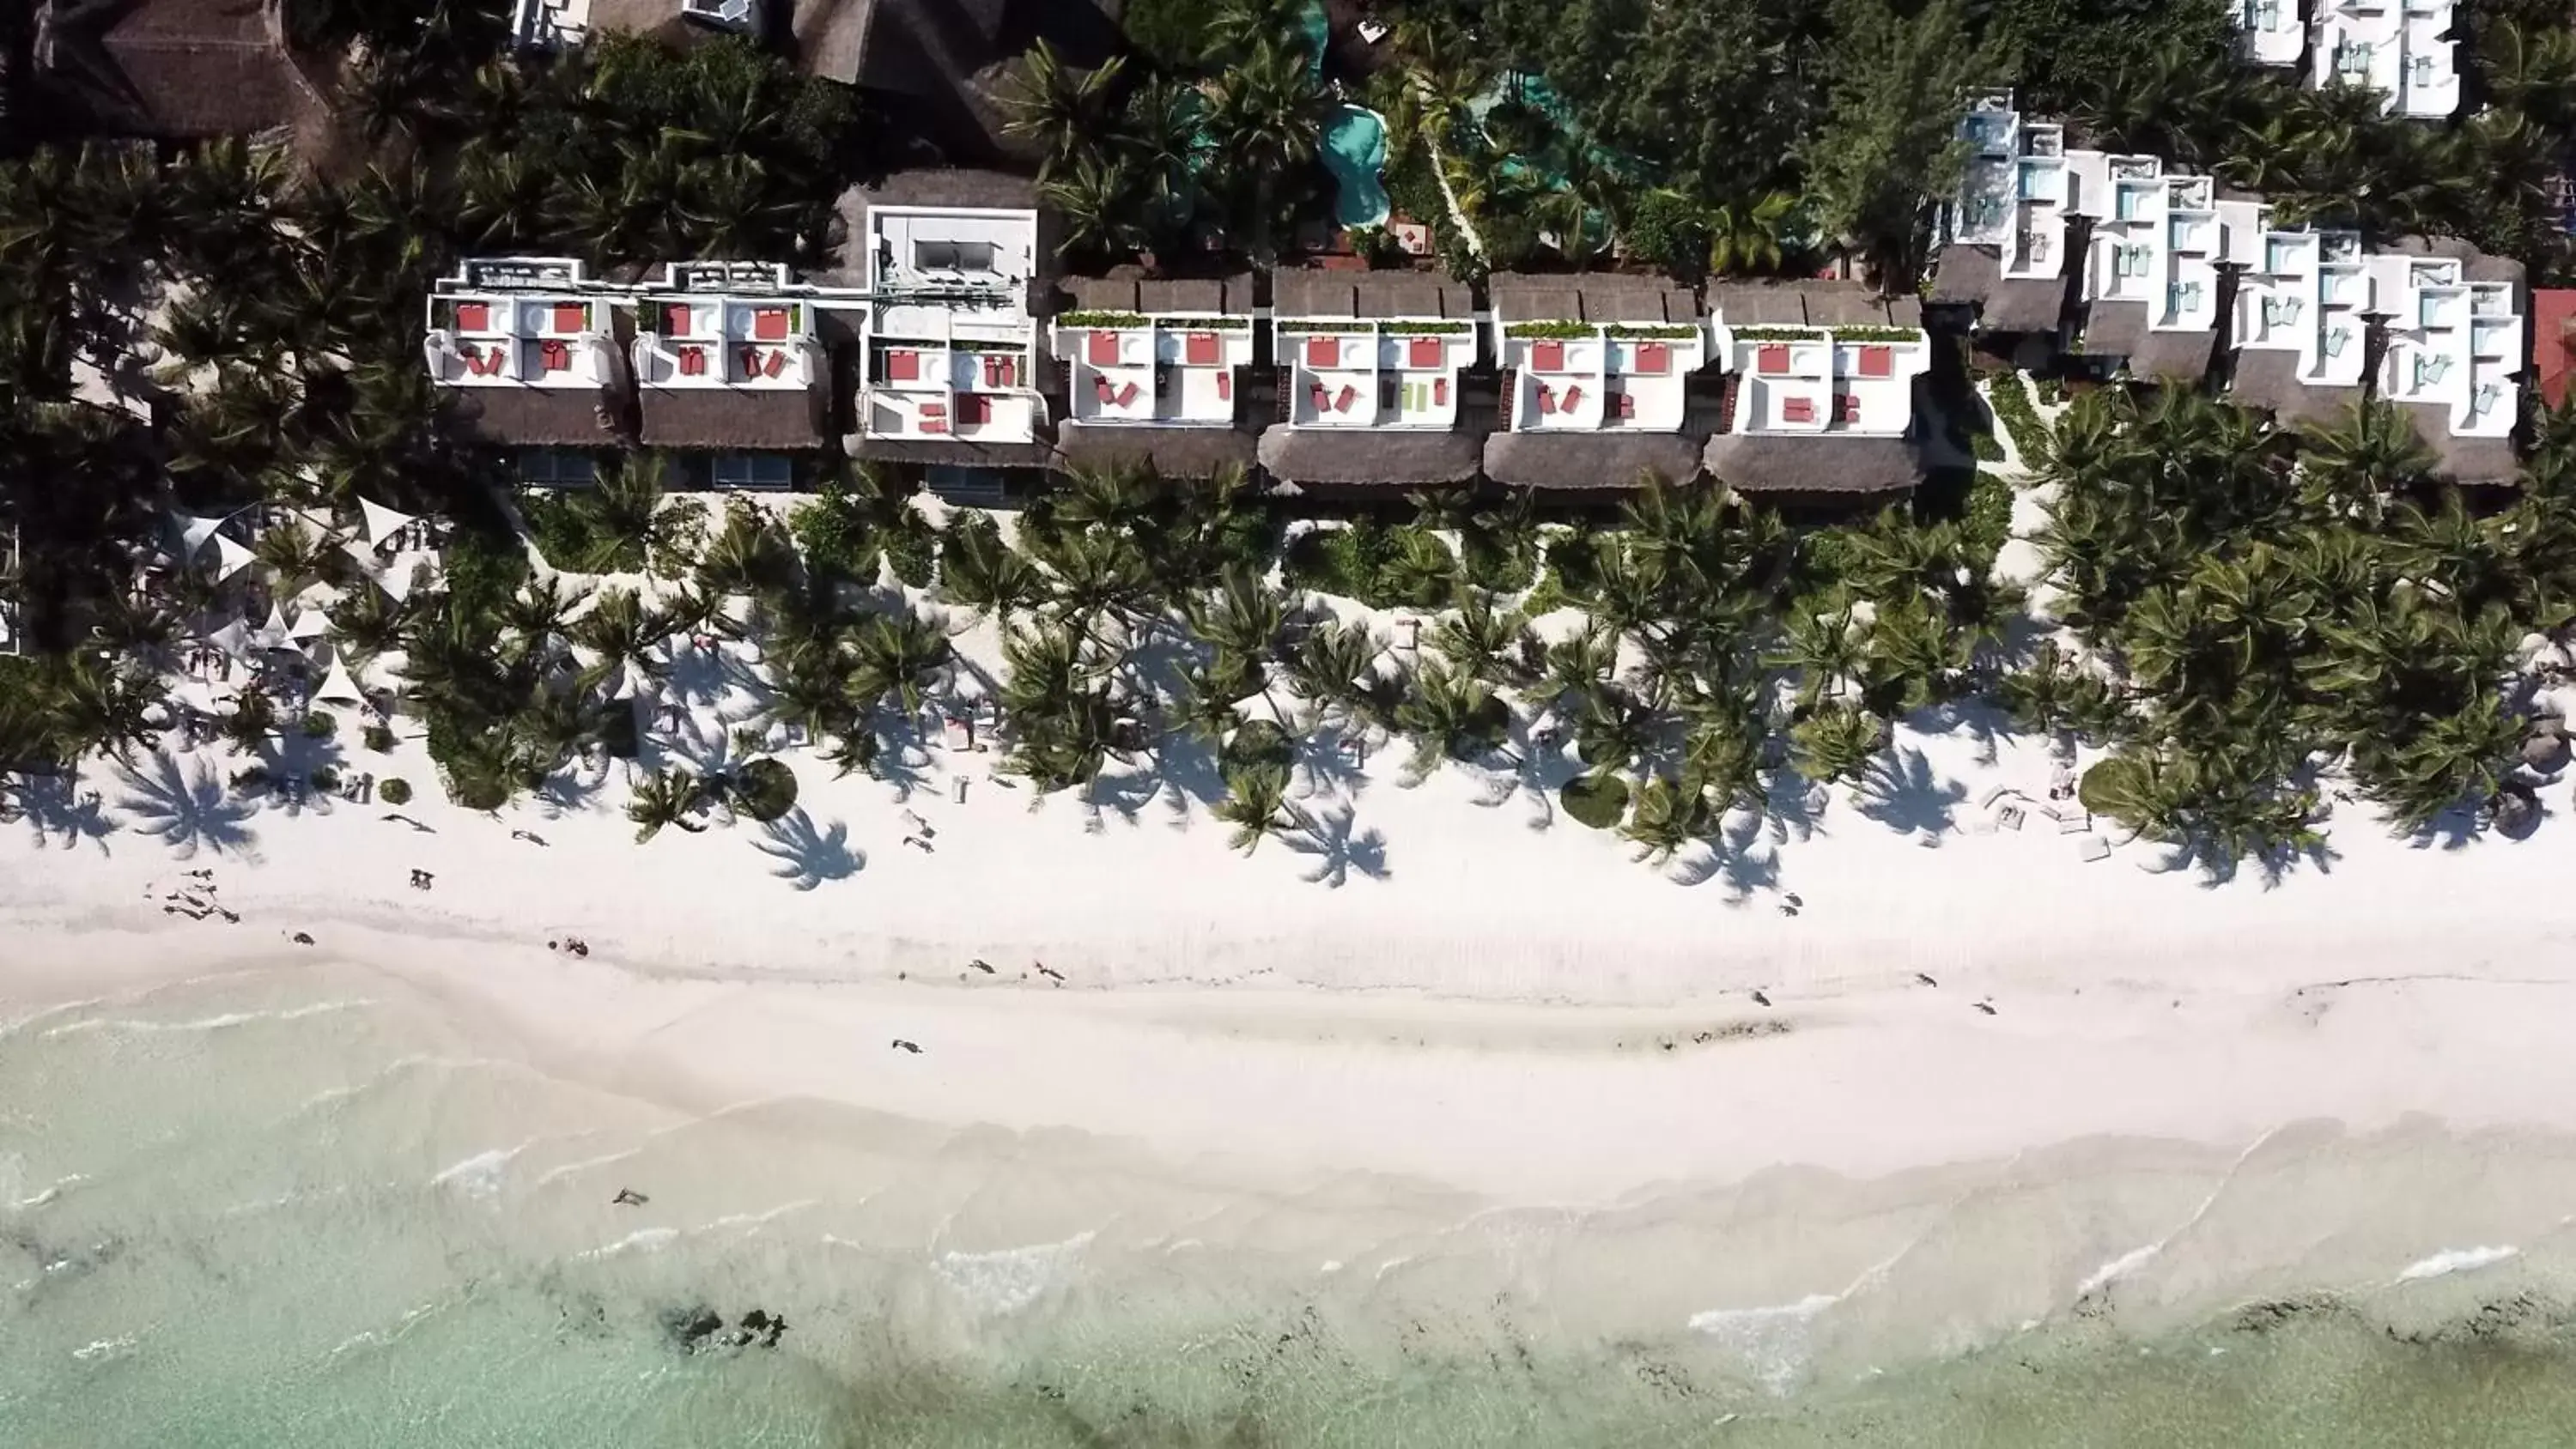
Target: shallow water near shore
[{"x": 311, "y": 1207}]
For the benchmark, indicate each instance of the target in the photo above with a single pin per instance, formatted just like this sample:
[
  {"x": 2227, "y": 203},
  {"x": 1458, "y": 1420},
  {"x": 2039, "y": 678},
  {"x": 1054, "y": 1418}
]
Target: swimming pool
[{"x": 1355, "y": 152}]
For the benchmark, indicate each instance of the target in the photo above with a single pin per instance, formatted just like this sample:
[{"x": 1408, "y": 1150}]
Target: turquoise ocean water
[{"x": 294, "y": 1210}]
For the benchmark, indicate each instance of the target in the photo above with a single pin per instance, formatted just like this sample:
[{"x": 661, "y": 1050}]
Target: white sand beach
[
  {"x": 1440, "y": 983},
  {"x": 1466, "y": 1049}
]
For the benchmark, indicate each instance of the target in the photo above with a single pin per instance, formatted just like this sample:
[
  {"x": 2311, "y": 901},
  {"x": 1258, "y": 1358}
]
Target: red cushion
[
  {"x": 769, "y": 324},
  {"x": 1654, "y": 357},
  {"x": 1199, "y": 349},
  {"x": 902, "y": 366},
  {"x": 1798, "y": 409},
  {"x": 473, "y": 316},
  {"x": 1548, "y": 356},
  {"x": 568, "y": 317},
  {"x": 1425, "y": 351},
  {"x": 1102, "y": 349},
  {"x": 1771, "y": 357},
  {"x": 1323, "y": 352},
  {"x": 1878, "y": 362}
]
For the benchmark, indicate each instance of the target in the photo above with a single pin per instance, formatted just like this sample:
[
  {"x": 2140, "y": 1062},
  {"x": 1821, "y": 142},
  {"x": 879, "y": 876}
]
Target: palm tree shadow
[
  {"x": 188, "y": 809},
  {"x": 1327, "y": 835},
  {"x": 1786, "y": 806},
  {"x": 1909, "y": 797},
  {"x": 1323, "y": 766},
  {"x": 1747, "y": 866},
  {"x": 56, "y": 804},
  {"x": 1984, "y": 723},
  {"x": 808, "y": 855}
]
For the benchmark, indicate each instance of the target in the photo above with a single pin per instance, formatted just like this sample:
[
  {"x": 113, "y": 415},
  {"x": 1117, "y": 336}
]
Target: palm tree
[
  {"x": 1838, "y": 742},
  {"x": 810, "y": 695},
  {"x": 665, "y": 797},
  {"x": 1335, "y": 667},
  {"x": 1068, "y": 112},
  {"x": 621, "y": 631},
  {"x": 2371, "y": 449},
  {"x": 1452, "y": 716},
  {"x": 533, "y": 619},
  {"x": 1096, "y": 200},
  {"x": 1748, "y": 236},
  {"x": 2450, "y": 758},
  {"x": 1485, "y": 642},
  {"x": 1255, "y": 803},
  {"x": 1825, "y": 647},
  {"x": 1669, "y": 815},
  {"x": 980, "y": 571},
  {"x": 749, "y": 555},
  {"x": 895, "y": 654},
  {"x": 1267, "y": 115},
  {"x": 1242, "y": 617},
  {"x": 99, "y": 703}
]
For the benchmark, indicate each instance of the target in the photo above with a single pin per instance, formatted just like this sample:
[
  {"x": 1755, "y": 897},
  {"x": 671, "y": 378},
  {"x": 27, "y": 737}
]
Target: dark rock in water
[
  {"x": 692, "y": 1328},
  {"x": 2264, "y": 1317}
]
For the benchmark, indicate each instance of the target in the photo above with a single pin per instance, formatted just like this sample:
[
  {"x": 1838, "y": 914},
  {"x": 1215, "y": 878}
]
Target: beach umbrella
[
  {"x": 382, "y": 522},
  {"x": 366, "y": 558},
  {"x": 233, "y": 638},
  {"x": 395, "y": 582},
  {"x": 310, "y": 624},
  {"x": 231, "y": 557}
]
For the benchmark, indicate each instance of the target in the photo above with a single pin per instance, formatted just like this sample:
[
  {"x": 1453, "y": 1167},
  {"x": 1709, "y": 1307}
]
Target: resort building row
[
  {"x": 2403, "y": 49},
  {"x": 2116, "y": 265},
  {"x": 943, "y": 342}
]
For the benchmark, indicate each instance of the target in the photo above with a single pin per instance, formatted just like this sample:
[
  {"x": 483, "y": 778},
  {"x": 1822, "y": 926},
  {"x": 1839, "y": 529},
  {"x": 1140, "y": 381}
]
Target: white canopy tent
[
  {"x": 310, "y": 624},
  {"x": 382, "y": 522},
  {"x": 232, "y": 557},
  {"x": 338, "y": 687}
]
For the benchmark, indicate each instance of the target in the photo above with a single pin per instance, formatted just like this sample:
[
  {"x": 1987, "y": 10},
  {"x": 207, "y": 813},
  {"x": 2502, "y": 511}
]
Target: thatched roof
[
  {"x": 1973, "y": 276},
  {"x": 2489, "y": 462},
  {"x": 1174, "y": 452},
  {"x": 1604, "y": 297},
  {"x": 1320, "y": 292},
  {"x": 1610, "y": 458},
  {"x": 1405, "y": 457},
  {"x": 709, "y": 417},
  {"x": 2269, "y": 380},
  {"x": 176, "y": 68},
  {"x": 1810, "y": 304},
  {"x": 2119, "y": 329},
  {"x": 952, "y": 186},
  {"x": 538, "y": 416},
  {"x": 1830, "y": 463},
  {"x": 954, "y": 452},
  {"x": 1128, "y": 290}
]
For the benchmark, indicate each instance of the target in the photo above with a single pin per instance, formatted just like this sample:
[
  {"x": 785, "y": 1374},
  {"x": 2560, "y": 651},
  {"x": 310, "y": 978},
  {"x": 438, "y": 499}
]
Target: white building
[
  {"x": 2270, "y": 32},
  {"x": 1154, "y": 369},
  {"x": 950, "y": 342},
  {"x": 1369, "y": 373},
  {"x": 732, "y": 356},
  {"x": 529, "y": 343},
  {"x": 1824, "y": 378},
  {"x": 2302, "y": 324},
  {"x": 2454, "y": 339},
  {"x": 1597, "y": 380},
  {"x": 2147, "y": 279},
  {"x": 548, "y": 25},
  {"x": 2396, "y": 47}
]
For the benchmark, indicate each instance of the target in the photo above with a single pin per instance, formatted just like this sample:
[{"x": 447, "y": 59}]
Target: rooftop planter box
[
  {"x": 1426, "y": 329},
  {"x": 1664, "y": 333},
  {"x": 1108, "y": 320},
  {"x": 1551, "y": 331},
  {"x": 1778, "y": 334},
  {"x": 1203, "y": 324},
  {"x": 1874, "y": 334},
  {"x": 1326, "y": 326}
]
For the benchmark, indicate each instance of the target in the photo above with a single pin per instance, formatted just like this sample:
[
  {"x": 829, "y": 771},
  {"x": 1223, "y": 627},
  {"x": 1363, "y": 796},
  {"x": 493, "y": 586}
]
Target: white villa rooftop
[
  {"x": 547, "y": 25},
  {"x": 2270, "y": 32},
  {"x": 1372, "y": 349},
  {"x": 2453, "y": 342},
  {"x": 725, "y": 325},
  {"x": 1820, "y": 358},
  {"x": 519, "y": 322},
  {"x": 2396, "y": 47},
  {"x": 1594, "y": 353},
  {"x": 1154, "y": 353},
  {"x": 950, "y": 342}
]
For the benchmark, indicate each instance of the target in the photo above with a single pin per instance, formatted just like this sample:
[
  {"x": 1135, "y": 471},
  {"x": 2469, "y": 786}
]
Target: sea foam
[
  {"x": 1009, "y": 1279},
  {"x": 2455, "y": 1260}
]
